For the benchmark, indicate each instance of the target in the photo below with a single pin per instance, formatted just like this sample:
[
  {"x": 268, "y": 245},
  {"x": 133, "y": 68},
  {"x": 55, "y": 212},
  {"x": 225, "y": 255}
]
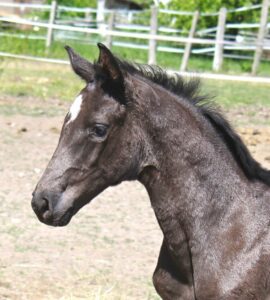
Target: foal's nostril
[
  {"x": 63, "y": 187},
  {"x": 40, "y": 205},
  {"x": 44, "y": 205}
]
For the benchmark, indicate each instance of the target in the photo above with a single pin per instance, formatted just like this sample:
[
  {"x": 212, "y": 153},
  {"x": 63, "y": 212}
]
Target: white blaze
[{"x": 75, "y": 108}]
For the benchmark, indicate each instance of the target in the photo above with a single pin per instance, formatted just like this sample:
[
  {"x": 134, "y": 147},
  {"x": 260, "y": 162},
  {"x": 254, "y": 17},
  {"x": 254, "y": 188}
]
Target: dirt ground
[{"x": 110, "y": 248}]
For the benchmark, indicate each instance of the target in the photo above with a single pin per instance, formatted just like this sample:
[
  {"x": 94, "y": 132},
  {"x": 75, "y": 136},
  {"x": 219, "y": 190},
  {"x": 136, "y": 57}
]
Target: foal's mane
[{"x": 188, "y": 90}]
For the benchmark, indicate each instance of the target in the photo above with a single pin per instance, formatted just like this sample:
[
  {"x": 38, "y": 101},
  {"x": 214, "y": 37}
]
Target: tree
[
  {"x": 213, "y": 6},
  {"x": 76, "y": 3}
]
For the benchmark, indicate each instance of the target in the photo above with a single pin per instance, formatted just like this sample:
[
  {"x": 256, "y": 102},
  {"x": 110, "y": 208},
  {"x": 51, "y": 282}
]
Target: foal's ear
[
  {"x": 114, "y": 80},
  {"x": 81, "y": 66},
  {"x": 108, "y": 63}
]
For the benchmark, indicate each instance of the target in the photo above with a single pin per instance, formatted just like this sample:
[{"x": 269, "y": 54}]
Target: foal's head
[{"x": 99, "y": 143}]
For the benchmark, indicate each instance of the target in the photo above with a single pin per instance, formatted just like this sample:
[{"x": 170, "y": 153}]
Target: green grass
[
  {"x": 232, "y": 94},
  {"x": 20, "y": 109},
  {"x": 23, "y": 80},
  {"x": 168, "y": 60}
]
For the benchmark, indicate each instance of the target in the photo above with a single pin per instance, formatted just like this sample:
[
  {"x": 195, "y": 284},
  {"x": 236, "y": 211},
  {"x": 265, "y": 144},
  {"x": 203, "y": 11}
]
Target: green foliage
[
  {"x": 210, "y": 6},
  {"x": 76, "y": 3},
  {"x": 73, "y": 3}
]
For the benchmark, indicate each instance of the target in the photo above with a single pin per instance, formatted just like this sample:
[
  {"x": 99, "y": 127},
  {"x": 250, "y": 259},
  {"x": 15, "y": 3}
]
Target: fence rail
[
  {"x": 105, "y": 31},
  {"x": 153, "y": 33}
]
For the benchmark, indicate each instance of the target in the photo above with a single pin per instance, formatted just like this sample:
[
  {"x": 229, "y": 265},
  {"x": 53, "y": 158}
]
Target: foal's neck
[{"x": 194, "y": 167}]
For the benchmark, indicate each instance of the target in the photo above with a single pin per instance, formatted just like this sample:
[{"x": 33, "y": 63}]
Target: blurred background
[
  {"x": 224, "y": 36},
  {"x": 110, "y": 248}
]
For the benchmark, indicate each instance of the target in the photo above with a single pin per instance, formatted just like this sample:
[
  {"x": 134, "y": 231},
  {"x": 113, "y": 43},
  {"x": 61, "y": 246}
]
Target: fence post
[
  {"x": 189, "y": 44},
  {"x": 87, "y": 15},
  {"x": 153, "y": 30},
  {"x": 218, "y": 56},
  {"x": 260, "y": 38},
  {"x": 110, "y": 27},
  {"x": 100, "y": 13},
  {"x": 51, "y": 22}
]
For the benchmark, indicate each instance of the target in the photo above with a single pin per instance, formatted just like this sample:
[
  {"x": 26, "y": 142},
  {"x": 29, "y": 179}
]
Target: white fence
[{"x": 211, "y": 41}]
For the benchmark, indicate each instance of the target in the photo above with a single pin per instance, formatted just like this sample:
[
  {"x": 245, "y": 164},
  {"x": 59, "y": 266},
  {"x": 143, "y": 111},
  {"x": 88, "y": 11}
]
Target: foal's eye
[{"x": 100, "y": 130}]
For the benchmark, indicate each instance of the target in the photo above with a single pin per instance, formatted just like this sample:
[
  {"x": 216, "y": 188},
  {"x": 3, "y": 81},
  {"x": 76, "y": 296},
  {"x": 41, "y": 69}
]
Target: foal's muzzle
[{"x": 44, "y": 205}]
